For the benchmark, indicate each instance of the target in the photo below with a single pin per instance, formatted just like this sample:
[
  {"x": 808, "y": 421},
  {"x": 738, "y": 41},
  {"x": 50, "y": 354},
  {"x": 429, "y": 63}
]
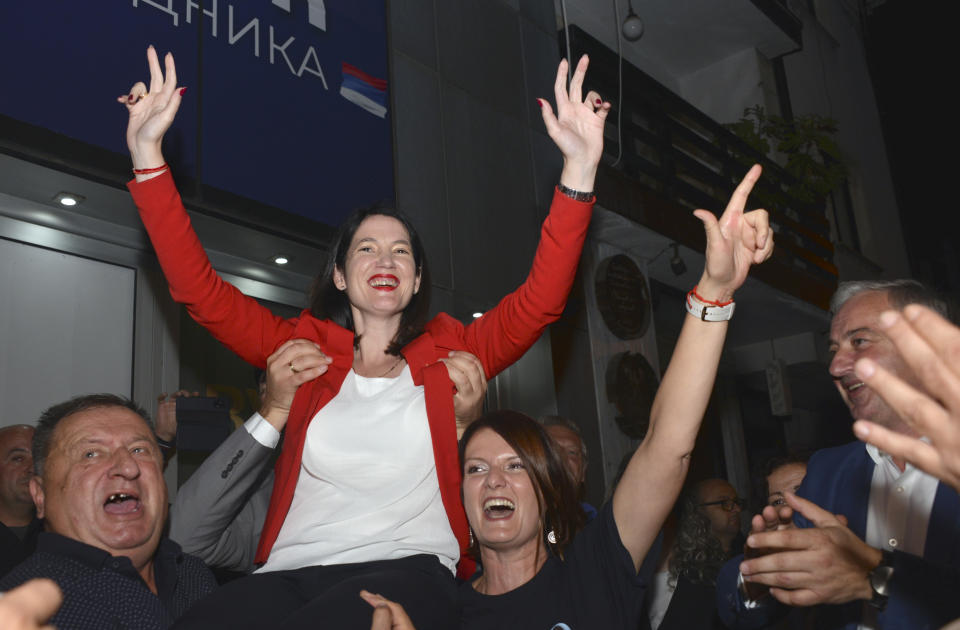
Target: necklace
[{"x": 392, "y": 367}]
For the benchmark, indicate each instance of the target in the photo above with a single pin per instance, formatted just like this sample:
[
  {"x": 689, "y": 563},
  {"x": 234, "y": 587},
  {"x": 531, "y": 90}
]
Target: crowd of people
[{"x": 395, "y": 502}]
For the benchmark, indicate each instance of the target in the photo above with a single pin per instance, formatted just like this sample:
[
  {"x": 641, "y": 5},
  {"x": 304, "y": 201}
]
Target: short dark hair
[
  {"x": 900, "y": 293},
  {"x": 556, "y": 496},
  {"x": 328, "y": 302},
  {"x": 760, "y": 487},
  {"x": 49, "y": 419},
  {"x": 563, "y": 421}
]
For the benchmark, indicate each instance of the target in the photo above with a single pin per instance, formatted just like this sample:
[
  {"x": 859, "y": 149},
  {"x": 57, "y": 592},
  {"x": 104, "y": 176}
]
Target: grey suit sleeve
[{"x": 219, "y": 512}]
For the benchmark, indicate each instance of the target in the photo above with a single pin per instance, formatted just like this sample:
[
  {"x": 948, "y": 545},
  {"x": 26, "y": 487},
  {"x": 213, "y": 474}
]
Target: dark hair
[
  {"x": 900, "y": 293},
  {"x": 556, "y": 497},
  {"x": 328, "y": 302},
  {"x": 49, "y": 419},
  {"x": 697, "y": 553},
  {"x": 563, "y": 421},
  {"x": 758, "y": 482}
]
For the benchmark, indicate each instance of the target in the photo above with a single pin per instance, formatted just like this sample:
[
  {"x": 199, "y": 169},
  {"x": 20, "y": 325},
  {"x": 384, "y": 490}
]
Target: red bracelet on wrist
[
  {"x": 149, "y": 171},
  {"x": 706, "y": 301}
]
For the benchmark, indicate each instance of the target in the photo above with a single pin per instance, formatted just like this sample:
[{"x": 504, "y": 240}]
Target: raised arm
[
  {"x": 239, "y": 322},
  {"x": 577, "y": 127},
  {"x": 508, "y": 330},
  {"x": 151, "y": 114},
  {"x": 656, "y": 472}
]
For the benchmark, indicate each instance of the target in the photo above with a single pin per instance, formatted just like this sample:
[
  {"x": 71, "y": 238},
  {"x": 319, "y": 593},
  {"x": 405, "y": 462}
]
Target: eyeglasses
[{"x": 727, "y": 504}]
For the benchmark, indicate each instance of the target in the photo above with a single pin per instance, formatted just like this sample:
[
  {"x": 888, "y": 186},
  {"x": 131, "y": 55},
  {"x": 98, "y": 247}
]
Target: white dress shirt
[{"x": 898, "y": 512}]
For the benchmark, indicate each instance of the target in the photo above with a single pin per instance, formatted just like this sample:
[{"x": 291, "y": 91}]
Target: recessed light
[
  {"x": 281, "y": 260},
  {"x": 67, "y": 199},
  {"x": 477, "y": 314}
]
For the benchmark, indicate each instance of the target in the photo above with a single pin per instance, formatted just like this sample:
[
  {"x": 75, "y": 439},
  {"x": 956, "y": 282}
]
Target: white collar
[{"x": 879, "y": 456}]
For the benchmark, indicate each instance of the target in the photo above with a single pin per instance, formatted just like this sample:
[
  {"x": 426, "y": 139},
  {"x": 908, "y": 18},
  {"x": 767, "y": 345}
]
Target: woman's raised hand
[
  {"x": 151, "y": 112},
  {"x": 734, "y": 242},
  {"x": 577, "y": 127}
]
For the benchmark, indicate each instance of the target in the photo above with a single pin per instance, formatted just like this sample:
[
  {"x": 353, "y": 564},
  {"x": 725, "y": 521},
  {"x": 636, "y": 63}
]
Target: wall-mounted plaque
[
  {"x": 631, "y": 386},
  {"x": 623, "y": 298}
]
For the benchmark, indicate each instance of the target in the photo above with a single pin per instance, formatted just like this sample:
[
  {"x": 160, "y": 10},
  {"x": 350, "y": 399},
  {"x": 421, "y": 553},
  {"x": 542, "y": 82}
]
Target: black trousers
[{"x": 329, "y": 597}]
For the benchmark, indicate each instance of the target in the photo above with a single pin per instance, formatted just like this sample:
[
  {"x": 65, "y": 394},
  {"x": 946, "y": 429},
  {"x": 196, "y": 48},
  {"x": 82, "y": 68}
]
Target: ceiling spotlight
[
  {"x": 281, "y": 260},
  {"x": 478, "y": 314},
  {"x": 677, "y": 266},
  {"x": 68, "y": 200},
  {"x": 632, "y": 25}
]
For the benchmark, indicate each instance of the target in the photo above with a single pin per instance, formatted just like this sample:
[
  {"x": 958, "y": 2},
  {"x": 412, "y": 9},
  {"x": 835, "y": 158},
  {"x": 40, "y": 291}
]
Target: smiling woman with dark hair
[
  {"x": 541, "y": 567},
  {"x": 366, "y": 493}
]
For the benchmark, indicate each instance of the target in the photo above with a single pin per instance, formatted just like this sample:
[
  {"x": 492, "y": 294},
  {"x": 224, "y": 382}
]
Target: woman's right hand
[
  {"x": 151, "y": 112},
  {"x": 735, "y": 242}
]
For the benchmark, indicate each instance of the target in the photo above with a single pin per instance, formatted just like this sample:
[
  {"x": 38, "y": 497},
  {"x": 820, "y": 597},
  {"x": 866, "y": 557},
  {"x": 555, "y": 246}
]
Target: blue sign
[{"x": 286, "y": 104}]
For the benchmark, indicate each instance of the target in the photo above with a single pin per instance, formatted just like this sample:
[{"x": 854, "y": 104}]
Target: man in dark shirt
[
  {"x": 18, "y": 522},
  {"x": 99, "y": 487}
]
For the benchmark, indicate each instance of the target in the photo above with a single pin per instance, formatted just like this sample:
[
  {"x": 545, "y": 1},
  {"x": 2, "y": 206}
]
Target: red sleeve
[
  {"x": 237, "y": 321},
  {"x": 508, "y": 330}
]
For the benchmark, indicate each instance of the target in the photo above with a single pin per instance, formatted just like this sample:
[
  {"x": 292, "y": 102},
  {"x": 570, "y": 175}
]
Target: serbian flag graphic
[{"x": 361, "y": 89}]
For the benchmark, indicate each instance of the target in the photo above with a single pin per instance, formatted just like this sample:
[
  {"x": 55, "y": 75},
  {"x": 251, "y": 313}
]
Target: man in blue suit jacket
[{"x": 873, "y": 537}]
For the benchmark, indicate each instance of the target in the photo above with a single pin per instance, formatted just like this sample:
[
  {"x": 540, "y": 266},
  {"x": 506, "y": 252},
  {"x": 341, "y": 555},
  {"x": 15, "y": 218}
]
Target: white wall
[
  {"x": 724, "y": 89},
  {"x": 66, "y": 328},
  {"x": 830, "y": 77}
]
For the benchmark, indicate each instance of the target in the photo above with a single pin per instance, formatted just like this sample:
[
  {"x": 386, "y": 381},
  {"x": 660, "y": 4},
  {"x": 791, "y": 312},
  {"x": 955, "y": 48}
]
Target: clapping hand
[
  {"x": 930, "y": 346},
  {"x": 824, "y": 564}
]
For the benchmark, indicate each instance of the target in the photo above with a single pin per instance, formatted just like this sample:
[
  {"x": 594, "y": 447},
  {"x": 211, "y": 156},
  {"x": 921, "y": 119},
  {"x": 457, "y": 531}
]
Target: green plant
[{"x": 808, "y": 142}]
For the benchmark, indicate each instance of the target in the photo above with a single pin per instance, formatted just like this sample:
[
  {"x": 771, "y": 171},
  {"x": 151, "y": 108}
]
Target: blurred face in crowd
[
  {"x": 570, "y": 448},
  {"x": 499, "y": 495},
  {"x": 102, "y": 483},
  {"x": 855, "y": 334},
  {"x": 786, "y": 478},
  {"x": 16, "y": 469},
  {"x": 724, "y": 509}
]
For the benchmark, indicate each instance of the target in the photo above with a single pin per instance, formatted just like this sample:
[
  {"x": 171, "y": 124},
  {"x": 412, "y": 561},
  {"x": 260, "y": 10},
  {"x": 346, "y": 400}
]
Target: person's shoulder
[
  {"x": 62, "y": 569},
  {"x": 444, "y": 324},
  {"x": 828, "y": 459}
]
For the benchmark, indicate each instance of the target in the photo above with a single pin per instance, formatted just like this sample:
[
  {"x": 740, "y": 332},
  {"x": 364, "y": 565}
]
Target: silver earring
[
  {"x": 551, "y": 537},
  {"x": 471, "y": 536}
]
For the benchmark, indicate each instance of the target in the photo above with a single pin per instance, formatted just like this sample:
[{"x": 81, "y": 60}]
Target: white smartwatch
[{"x": 709, "y": 312}]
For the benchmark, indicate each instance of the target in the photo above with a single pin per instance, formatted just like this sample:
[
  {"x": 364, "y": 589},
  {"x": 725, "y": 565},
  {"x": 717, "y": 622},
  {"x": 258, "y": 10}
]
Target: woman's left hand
[
  {"x": 734, "y": 242},
  {"x": 577, "y": 127}
]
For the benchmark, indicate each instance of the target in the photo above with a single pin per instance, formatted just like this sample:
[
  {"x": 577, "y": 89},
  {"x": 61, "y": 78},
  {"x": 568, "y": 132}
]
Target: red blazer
[{"x": 498, "y": 338}]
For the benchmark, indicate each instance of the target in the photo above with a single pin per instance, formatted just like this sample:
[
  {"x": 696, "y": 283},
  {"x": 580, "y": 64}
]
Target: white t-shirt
[{"x": 368, "y": 487}]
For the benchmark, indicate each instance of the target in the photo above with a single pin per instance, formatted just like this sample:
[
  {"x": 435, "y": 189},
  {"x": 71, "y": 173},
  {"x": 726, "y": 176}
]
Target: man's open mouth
[{"x": 121, "y": 503}]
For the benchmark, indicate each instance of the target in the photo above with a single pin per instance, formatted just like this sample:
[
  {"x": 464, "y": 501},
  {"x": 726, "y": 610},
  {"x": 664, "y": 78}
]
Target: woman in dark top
[{"x": 540, "y": 569}]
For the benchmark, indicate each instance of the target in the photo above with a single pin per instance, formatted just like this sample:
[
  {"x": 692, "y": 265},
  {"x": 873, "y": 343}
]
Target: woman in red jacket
[{"x": 367, "y": 485}]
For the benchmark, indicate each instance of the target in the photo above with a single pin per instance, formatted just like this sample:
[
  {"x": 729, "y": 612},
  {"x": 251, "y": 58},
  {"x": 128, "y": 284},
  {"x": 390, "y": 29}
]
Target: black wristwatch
[
  {"x": 880, "y": 579},
  {"x": 576, "y": 195},
  {"x": 164, "y": 444}
]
